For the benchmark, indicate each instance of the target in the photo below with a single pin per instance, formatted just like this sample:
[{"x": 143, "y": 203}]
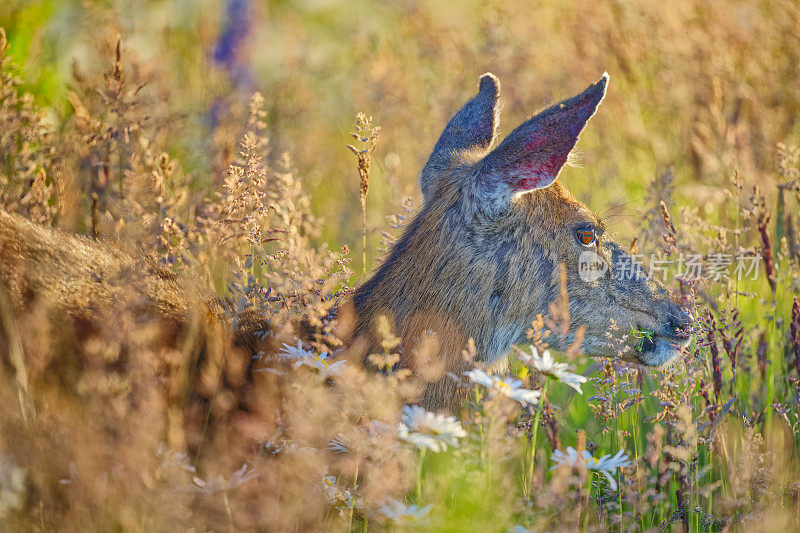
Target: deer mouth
[{"x": 659, "y": 350}]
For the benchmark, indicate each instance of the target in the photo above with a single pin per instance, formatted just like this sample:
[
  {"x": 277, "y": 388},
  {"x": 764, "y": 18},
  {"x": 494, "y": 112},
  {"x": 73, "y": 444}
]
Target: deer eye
[{"x": 585, "y": 236}]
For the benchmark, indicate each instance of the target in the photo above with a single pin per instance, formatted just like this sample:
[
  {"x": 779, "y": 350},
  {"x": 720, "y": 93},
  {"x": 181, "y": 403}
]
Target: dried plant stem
[
  {"x": 766, "y": 250},
  {"x": 120, "y": 142},
  {"x": 670, "y": 237},
  {"x": 761, "y": 354},
  {"x": 366, "y": 135},
  {"x": 228, "y": 510},
  {"x": 795, "y": 333},
  {"x": 94, "y": 215},
  {"x": 364, "y": 234},
  {"x": 15, "y": 355}
]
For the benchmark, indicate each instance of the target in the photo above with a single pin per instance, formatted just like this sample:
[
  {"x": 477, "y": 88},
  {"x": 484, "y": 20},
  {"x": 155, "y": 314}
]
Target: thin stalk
[
  {"x": 587, "y": 496},
  {"x": 94, "y": 215},
  {"x": 121, "y": 174},
  {"x": 418, "y": 496},
  {"x": 534, "y": 434},
  {"x": 364, "y": 235},
  {"x": 228, "y": 509},
  {"x": 353, "y": 499},
  {"x": 16, "y": 356},
  {"x": 620, "y": 444}
]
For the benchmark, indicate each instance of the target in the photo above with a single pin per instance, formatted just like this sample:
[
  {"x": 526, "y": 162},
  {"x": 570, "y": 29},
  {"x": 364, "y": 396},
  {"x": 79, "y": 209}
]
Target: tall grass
[{"x": 151, "y": 144}]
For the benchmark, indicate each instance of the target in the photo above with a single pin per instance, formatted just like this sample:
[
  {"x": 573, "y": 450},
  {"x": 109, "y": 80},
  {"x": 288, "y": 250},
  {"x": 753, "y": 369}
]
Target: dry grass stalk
[
  {"x": 762, "y": 223},
  {"x": 145, "y": 424},
  {"x": 15, "y": 354},
  {"x": 711, "y": 341},
  {"x": 670, "y": 237},
  {"x": 794, "y": 331},
  {"x": 366, "y": 135}
]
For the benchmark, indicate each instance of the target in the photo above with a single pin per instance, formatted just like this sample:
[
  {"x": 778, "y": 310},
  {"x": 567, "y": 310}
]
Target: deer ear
[
  {"x": 473, "y": 126},
  {"x": 532, "y": 155}
]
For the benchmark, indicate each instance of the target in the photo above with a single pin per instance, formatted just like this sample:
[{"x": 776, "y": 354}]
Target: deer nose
[{"x": 679, "y": 319}]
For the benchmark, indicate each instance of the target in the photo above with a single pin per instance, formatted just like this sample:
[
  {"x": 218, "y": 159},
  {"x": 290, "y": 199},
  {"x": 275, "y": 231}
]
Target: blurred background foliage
[{"x": 703, "y": 87}]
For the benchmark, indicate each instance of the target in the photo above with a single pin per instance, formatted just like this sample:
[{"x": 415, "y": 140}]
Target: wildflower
[
  {"x": 329, "y": 486},
  {"x": 219, "y": 483},
  {"x": 427, "y": 430},
  {"x": 546, "y": 365},
  {"x": 509, "y": 387},
  {"x": 400, "y": 513},
  {"x": 606, "y": 464},
  {"x": 284, "y": 447},
  {"x": 295, "y": 352},
  {"x": 302, "y": 357},
  {"x": 339, "y": 444},
  {"x": 321, "y": 364},
  {"x": 342, "y": 501},
  {"x": 73, "y": 476},
  {"x": 172, "y": 459},
  {"x": 13, "y": 486}
]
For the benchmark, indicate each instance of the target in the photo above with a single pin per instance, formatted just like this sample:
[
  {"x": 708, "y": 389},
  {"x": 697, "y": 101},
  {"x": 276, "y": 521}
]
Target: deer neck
[{"x": 437, "y": 280}]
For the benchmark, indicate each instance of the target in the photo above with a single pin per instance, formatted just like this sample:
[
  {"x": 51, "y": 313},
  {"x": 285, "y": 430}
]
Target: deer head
[{"x": 481, "y": 257}]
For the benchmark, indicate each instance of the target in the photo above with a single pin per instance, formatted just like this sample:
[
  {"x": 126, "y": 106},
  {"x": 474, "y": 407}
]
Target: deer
[
  {"x": 481, "y": 259},
  {"x": 493, "y": 245}
]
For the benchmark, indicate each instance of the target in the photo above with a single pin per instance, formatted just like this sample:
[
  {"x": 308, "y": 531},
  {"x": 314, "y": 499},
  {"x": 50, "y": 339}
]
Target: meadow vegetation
[{"x": 165, "y": 130}]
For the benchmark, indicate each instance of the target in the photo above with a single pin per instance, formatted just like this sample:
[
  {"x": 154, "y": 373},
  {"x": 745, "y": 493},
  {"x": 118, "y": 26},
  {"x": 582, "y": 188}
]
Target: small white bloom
[
  {"x": 302, "y": 357},
  {"x": 606, "y": 465},
  {"x": 295, "y": 352},
  {"x": 219, "y": 483},
  {"x": 13, "y": 486},
  {"x": 339, "y": 444},
  {"x": 507, "y": 387},
  {"x": 321, "y": 364},
  {"x": 171, "y": 459},
  {"x": 342, "y": 501},
  {"x": 427, "y": 430},
  {"x": 400, "y": 513},
  {"x": 284, "y": 447},
  {"x": 546, "y": 365},
  {"x": 329, "y": 486}
]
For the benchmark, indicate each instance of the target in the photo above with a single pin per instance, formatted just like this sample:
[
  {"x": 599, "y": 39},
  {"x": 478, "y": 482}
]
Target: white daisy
[
  {"x": 295, "y": 352},
  {"x": 321, "y": 364},
  {"x": 339, "y": 444},
  {"x": 509, "y": 387},
  {"x": 171, "y": 459},
  {"x": 547, "y": 365},
  {"x": 427, "y": 430},
  {"x": 302, "y": 357},
  {"x": 342, "y": 501},
  {"x": 13, "y": 486},
  {"x": 606, "y": 465},
  {"x": 400, "y": 513},
  {"x": 329, "y": 486},
  {"x": 219, "y": 483}
]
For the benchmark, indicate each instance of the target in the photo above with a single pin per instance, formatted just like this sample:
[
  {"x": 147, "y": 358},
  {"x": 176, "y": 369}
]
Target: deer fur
[{"x": 480, "y": 260}]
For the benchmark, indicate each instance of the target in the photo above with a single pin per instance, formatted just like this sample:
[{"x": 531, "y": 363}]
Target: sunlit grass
[{"x": 692, "y": 118}]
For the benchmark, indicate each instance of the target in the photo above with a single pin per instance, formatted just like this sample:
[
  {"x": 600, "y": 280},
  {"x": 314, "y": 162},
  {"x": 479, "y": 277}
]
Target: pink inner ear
[{"x": 536, "y": 174}]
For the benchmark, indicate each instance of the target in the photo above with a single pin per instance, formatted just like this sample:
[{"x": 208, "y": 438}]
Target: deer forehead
[{"x": 555, "y": 208}]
